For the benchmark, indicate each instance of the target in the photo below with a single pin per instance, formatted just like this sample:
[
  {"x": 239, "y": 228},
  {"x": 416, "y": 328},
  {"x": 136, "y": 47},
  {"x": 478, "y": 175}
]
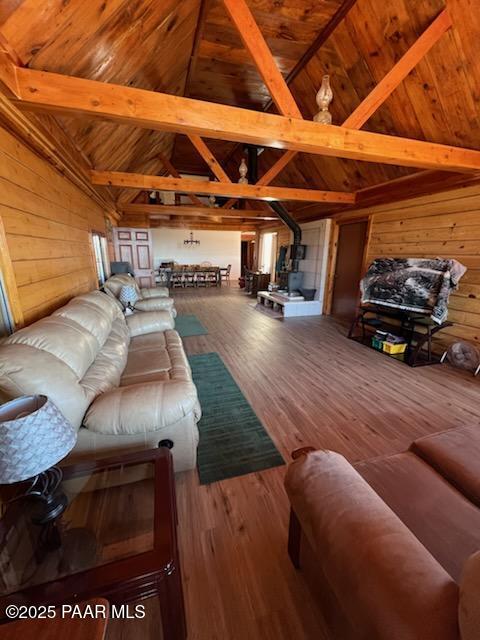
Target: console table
[
  {"x": 417, "y": 330},
  {"x": 117, "y": 539}
]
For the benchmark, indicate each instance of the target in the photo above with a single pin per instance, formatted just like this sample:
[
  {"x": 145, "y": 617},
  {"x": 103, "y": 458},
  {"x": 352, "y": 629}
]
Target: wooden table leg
[{"x": 172, "y": 605}]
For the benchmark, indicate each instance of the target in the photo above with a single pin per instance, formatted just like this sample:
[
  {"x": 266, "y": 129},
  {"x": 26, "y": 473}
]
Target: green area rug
[
  {"x": 189, "y": 326},
  {"x": 233, "y": 441}
]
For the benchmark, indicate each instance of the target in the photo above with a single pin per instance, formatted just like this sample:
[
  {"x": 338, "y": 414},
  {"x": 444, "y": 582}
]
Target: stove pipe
[{"x": 279, "y": 209}]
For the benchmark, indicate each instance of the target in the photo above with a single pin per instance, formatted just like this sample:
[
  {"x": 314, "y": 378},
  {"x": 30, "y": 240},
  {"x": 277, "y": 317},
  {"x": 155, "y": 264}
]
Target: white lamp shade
[
  {"x": 128, "y": 295},
  {"x": 34, "y": 435}
]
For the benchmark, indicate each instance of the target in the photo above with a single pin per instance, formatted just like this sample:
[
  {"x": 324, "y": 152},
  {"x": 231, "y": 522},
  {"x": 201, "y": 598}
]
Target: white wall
[
  {"x": 316, "y": 236},
  {"x": 218, "y": 247}
]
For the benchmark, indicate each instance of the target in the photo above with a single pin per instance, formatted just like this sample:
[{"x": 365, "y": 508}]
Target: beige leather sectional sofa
[
  {"x": 124, "y": 383},
  {"x": 149, "y": 298}
]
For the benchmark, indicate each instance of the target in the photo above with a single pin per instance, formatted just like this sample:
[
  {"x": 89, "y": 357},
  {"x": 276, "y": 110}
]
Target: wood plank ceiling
[
  {"x": 142, "y": 43},
  {"x": 192, "y": 48}
]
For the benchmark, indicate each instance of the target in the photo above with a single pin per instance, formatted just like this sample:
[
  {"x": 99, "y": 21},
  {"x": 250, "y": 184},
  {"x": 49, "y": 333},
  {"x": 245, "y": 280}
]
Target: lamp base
[{"x": 50, "y": 502}]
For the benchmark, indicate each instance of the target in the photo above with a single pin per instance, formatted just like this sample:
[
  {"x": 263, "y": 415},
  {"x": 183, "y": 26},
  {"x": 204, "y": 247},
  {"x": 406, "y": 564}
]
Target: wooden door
[
  {"x": 135, "y": 246},
  {"x": 348, "y": 270}
]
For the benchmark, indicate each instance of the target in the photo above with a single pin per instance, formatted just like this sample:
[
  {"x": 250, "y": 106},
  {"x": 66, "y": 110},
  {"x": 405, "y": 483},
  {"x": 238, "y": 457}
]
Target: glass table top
[{"x": 110, "y": 516}]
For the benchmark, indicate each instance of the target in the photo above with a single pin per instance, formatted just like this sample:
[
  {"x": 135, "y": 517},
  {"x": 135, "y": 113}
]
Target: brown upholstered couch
[{"x": 391, "y": 544}]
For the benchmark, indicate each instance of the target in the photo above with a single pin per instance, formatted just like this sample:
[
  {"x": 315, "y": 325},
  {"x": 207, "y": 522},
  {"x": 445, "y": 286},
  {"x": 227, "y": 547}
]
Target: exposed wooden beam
[
  {"x": 182, "y": 210},
  {"x": 399, "y": 72},
  {"x": 194, "y": 224},
  {"x": 255, "y": 43},
  {"x": 229, "y": 203},
  {"x": 209, "y": 158},
  {"x": 9, "y": 63},
  {"x": 418, "y": 184},
  {"x": 212, "y": 220},
  {"x": 321, "y": 38},
  {"x": 275, "y": 169},
  {"x": 197, "y": 39},
  {"x": 46, "y": 138},
  {"x": 44, "y": 144},
  {"x": 173, "y": 172},
  {"x": 42, "y": 91},
  {"x": 206, "y": 187},
  {"x": 270, "y": 175},
  {"x": 319, "y": 41},
  {"x": 383, "y": 89}
]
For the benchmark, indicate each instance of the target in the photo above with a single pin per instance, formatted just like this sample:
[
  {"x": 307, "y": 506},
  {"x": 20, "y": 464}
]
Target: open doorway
[
  {"x": 352, "y": 238},
  {"x": 247, "y": 253}
]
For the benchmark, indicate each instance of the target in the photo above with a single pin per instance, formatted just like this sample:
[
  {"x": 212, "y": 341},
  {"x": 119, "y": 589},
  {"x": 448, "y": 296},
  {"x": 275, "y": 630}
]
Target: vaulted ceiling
[{"x": 191, "y": 47}]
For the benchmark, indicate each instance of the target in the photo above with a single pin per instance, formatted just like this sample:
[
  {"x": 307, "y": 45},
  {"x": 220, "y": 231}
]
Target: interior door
[
  {"x": 135, "y": 246},
  {"x": 348, "y": 269}
]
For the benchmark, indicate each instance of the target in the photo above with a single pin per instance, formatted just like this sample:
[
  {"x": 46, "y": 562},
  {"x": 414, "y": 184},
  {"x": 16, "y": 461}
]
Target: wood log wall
[
  {"x": 47, "y": 222},
  {"x": 445, "y": 225}
]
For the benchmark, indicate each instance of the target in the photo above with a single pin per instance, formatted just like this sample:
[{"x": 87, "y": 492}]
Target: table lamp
[
  {"x": 128, "y": 296},
  {"x": 35, "y": 436}
]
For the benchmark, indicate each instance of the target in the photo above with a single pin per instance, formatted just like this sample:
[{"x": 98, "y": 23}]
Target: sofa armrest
[
  {"x": 154, "y": 304},
  {"x": 388, "y": 585},
  {"x": 145, "y": 322},
  {"x": 154, "y": 292},
  {"x": 141, "y": 408},
  {"x": 469, "y": 611}
]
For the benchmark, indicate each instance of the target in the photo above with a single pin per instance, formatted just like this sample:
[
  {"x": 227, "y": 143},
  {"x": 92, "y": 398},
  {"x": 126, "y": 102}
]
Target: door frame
[{"x": 333, "y": 251}]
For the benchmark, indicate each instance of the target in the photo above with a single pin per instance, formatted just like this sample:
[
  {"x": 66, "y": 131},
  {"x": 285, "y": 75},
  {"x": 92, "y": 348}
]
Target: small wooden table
[{"x": 117, "y": 539}]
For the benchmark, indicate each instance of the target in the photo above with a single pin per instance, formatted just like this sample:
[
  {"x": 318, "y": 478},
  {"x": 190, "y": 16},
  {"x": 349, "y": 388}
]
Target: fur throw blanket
[{"x": 422, "y": 285}]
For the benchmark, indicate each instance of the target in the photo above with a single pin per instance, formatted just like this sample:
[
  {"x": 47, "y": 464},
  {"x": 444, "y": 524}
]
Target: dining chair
[
  {"x": 200, "y": 278},
  {"x": 189, "y": 278},
  {"x": 225, "y": 273},
  {"x": 176, "y": 279},
  {"x": 211, "y": 276}
]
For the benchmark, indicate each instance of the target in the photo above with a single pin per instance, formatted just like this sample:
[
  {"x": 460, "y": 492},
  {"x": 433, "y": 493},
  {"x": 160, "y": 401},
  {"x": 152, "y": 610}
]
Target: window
[
  {"x": 269, "y": 252},
  {"x": 6, "y": 323},
  {"x": 101, "y": 256}
]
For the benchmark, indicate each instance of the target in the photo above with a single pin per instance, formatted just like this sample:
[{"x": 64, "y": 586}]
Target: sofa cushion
[
  {"x": 154, "y": 292},
  {"x": 113, "y": 297},
  {"x": 154, "y": 304},
  {"x": 149, "y": 322},
  {"x": 62, "y": 338},
  {"x": 26, "y": 370},
  {"x": 142, "y": 407},
  {"x": 70, "y": 356},
  {"x": 444, "y": 521},
  {"x": 115, "y": 283},
  {"x": 156, "y": 356},
  {"x": 149, "y": 361},
  {"x": 95, "y": 319},
  {"x": 455, "y": 454},
  {"x": 148, "y": 341}
]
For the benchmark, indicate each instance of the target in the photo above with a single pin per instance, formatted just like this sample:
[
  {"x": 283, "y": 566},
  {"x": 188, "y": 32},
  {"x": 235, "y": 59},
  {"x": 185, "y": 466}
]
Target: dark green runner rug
[
  {"x": 233, "y": 441},
  {"x": 189, "y": 326}
]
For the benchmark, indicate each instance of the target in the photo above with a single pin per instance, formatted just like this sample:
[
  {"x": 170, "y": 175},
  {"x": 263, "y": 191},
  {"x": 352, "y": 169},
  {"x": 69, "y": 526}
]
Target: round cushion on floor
[{"x": 463, "y": 355}]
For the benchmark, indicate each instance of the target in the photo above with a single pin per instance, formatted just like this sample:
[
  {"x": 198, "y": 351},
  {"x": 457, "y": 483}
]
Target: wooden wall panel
[
  {"x": 47, "y": 222},
  {"x": 445, "y": 225}
]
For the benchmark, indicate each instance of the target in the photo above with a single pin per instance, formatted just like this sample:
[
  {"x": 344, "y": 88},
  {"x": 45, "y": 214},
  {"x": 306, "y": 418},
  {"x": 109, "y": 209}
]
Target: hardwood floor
[{"x": 310, "y": 386}]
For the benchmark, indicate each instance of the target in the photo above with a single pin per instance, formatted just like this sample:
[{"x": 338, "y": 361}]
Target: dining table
[{"x": 185, "y": 275}]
